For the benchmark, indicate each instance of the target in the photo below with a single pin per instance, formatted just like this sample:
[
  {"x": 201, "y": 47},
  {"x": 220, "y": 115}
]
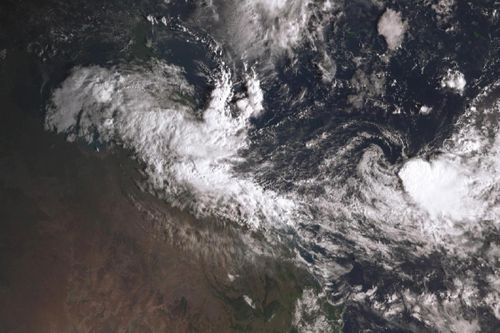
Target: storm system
[{"x": 250, "y": 165}]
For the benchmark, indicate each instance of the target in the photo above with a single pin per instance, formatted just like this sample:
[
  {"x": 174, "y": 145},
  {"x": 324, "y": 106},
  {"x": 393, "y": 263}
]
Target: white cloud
[
  {"x": 425, "y": 110},
  {"x": 260, "y": 30},
  {"x": 454, "y": 80},
  {"x": 188, "y": 161},
  {"x": 441, "y": 187},
  {"x": 392, "y": 27}
]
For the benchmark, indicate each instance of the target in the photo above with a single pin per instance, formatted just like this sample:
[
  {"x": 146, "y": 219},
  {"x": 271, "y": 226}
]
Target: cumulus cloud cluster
[
  {"x": 454, "y": 80},
  {"x": 392, "y": 27},
  {"x": 188, "y": 161}
]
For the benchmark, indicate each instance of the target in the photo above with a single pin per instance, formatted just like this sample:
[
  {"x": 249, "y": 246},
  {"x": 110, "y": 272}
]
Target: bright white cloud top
[
  {"x": 441, "y": 188},
  {"x": 392, "y": 27},
  {"x": 454, "y": 80},
  {"x": 188, "y": 160}
]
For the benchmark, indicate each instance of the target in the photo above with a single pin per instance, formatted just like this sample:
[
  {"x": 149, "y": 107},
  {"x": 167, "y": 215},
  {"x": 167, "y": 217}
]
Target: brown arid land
[{"x": 84, "y": 249}]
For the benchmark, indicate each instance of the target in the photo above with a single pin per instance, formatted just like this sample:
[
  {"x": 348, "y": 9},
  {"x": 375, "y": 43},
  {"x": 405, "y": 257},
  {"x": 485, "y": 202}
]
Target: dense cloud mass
[
  {"x": 392, "y": 27},
  {"x": 188, "y": 160}
]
